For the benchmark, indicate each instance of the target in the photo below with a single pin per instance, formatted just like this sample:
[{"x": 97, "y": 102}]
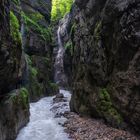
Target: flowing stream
[{"x": 43, "y": 124}]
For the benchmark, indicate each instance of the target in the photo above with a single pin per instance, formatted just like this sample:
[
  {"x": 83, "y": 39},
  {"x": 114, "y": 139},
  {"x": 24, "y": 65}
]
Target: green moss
[
  {"x": 69, "y": 46},
  {"x": 29, "y": 61},
  {"x": 32, "y": 22},
  {"x": 34, "y": 71},
  {"x": 47, "y": 60},
  {"x": 24, "y": 96},
  {"x": 14, "y": 28},
  {"x": 106, "y": 109},
  {"x": 20, "y": 97},
  {"x": 54, "y": 86},
  {"x": 35, "y": 88},
  {"x": 97, "y": 31}
]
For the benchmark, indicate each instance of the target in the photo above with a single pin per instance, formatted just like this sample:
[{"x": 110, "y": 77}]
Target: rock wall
[
  {"x": 106, "y": 67},
  {"x": 10, "y": 50},
  {"x": 25, "y": 66},
  {"x": 14, "y": 113},
  {"x": 14, "y": 101},
  {"x": 37, "y": 46}
]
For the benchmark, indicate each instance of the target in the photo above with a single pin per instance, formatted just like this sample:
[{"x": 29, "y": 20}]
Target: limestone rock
[{"x": 106, "y": 66}]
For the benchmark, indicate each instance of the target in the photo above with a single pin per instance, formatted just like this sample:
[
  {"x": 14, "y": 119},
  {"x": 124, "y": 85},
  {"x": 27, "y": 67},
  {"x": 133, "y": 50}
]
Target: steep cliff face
[
  {"x": 10, "y": 50},
  {"x": 14, "y": 103},
  {"x": 37, "y": 46},
  {"x": 106, "y": 60},
  {"x": 23, "y": 28}
]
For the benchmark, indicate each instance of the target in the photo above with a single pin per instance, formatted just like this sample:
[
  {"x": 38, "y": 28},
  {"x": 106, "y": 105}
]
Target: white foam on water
[{"x": 43, "y": 125}]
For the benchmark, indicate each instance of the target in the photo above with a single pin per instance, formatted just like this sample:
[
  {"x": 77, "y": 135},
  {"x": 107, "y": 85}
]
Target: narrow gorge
[{"x": 70, "y": 69}]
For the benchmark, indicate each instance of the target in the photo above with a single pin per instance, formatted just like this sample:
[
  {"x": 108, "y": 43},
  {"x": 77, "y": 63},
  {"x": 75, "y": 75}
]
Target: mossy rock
[
  {"x": 15, "y": 28},
  {"x": 106, "y": 110},
  {"x": 35, "y": 88},
  {"x": 32, "y": 23},
  {"x": 20, "y": 97}
]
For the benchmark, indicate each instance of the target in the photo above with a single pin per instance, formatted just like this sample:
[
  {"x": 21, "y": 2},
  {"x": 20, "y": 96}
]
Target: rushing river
[{"x": 43, "y": 124}]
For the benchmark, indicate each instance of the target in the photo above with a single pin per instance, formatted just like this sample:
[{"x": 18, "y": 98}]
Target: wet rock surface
[
  {"x": 85, "y": 128},
  {"x": 17, "y": 69},
  {"x": 10, "y": 52},
  {"x": 38, "y": 49},
  {"x": 105, "y": 61},
  {"x": 14, "y": 100}
]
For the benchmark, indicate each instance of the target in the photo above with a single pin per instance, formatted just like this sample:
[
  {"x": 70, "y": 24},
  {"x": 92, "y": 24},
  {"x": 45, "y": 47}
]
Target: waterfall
[
  {"x": 59, "y": 75},
  {"x": 59, "y": 37}
]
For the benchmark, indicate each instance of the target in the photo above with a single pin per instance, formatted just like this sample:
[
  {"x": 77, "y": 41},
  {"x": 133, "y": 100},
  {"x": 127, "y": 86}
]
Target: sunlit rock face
[{"x": 106, "y": 66}]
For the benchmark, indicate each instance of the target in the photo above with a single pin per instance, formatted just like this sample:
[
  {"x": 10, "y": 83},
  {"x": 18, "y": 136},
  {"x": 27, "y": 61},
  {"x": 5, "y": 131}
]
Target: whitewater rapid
[{"x": 43, "y": 124}]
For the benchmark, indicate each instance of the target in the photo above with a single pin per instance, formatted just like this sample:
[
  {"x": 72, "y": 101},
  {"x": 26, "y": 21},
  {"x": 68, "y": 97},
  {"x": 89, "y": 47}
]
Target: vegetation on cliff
[
  {"x": 60, "y": 8},
  {"x": 15, "y": 28},
  {"x": 32, "y": 22}
]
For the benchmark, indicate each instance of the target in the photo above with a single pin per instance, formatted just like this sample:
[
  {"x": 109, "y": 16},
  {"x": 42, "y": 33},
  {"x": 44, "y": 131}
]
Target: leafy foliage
[
  {"x": 20, "y": 97},
  {"x": 60, "y": 8}
]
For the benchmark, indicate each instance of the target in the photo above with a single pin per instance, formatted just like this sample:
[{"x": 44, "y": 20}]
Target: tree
[{"x": 60, "y": 8}]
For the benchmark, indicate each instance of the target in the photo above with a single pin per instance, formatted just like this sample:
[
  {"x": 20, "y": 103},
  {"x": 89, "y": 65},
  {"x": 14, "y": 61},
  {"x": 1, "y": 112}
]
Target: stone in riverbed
[{"x": 59, "y": 98}]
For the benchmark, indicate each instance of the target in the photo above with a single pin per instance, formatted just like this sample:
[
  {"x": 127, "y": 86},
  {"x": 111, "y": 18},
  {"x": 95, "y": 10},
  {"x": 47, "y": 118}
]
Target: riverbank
[
  {"x": 84, "y": 128},
  {"x": 51, "y": 119}
]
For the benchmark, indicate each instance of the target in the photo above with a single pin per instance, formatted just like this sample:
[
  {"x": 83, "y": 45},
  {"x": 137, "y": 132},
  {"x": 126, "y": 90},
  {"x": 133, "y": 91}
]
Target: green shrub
[{"x": 20, "y": 97}]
